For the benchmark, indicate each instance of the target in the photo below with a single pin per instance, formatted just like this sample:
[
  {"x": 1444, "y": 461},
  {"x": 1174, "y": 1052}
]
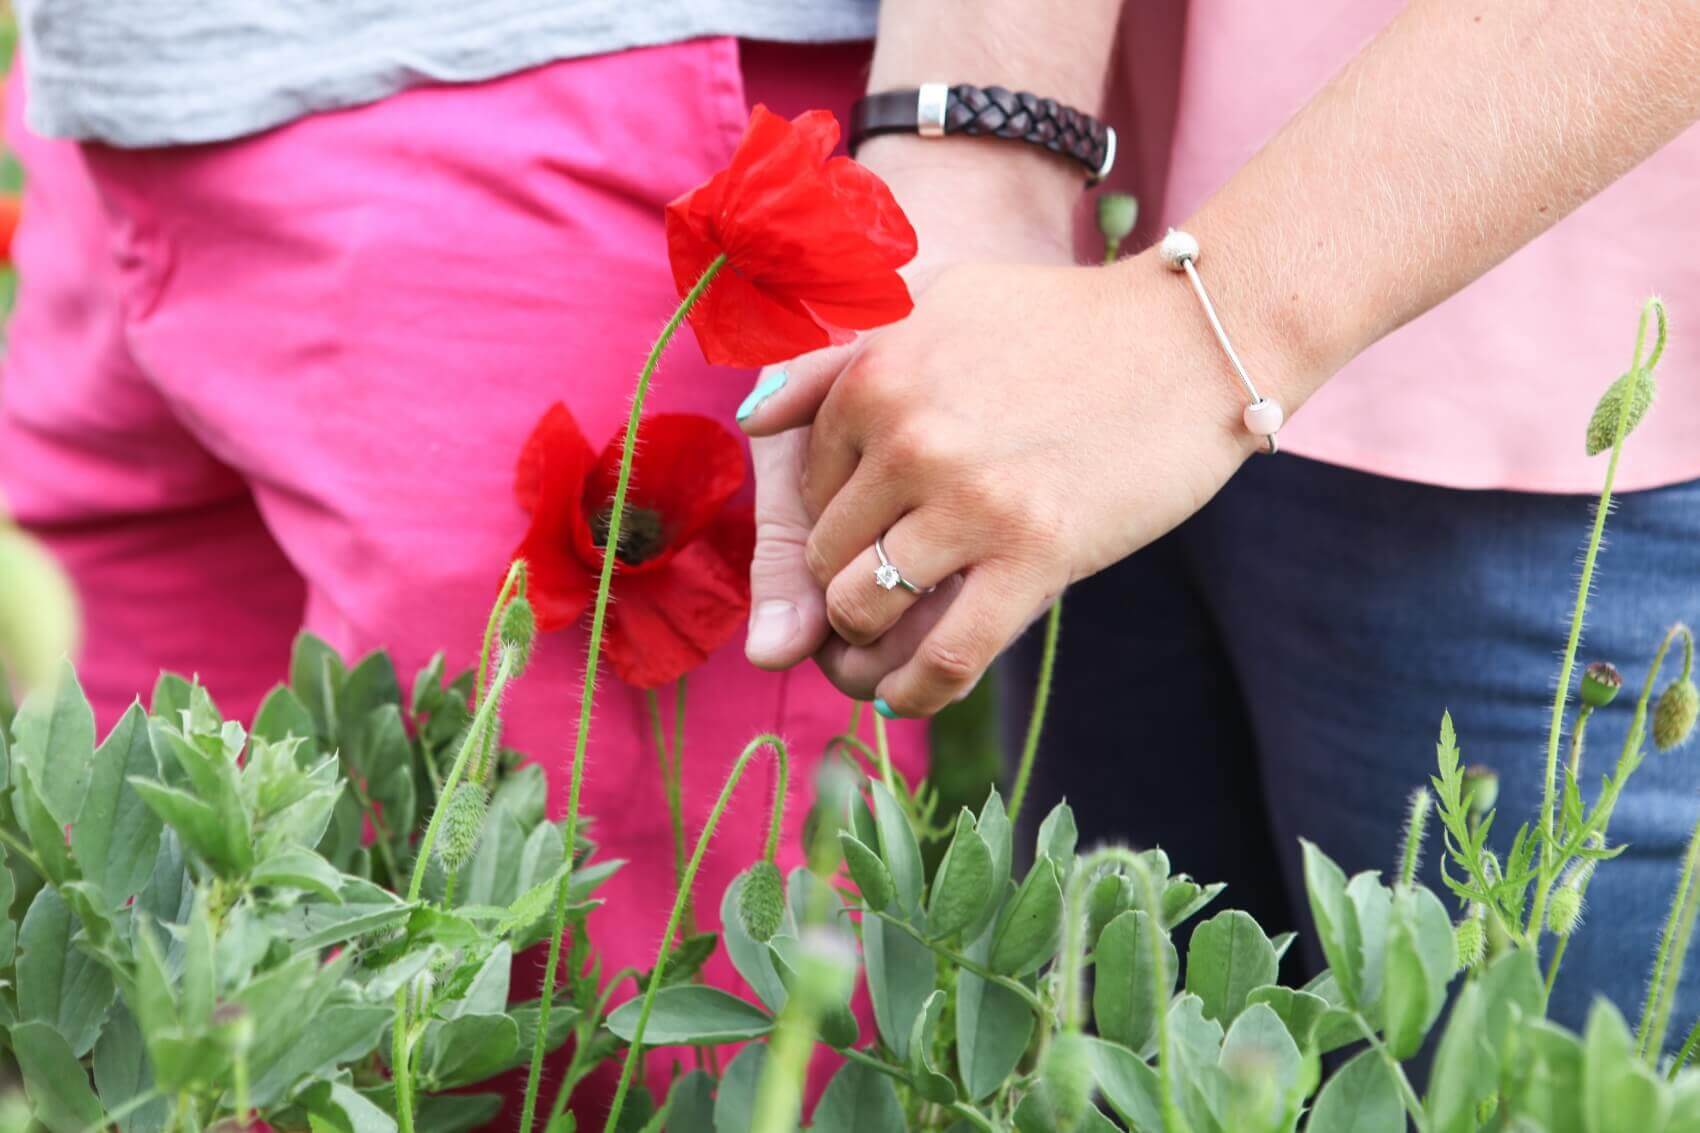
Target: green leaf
[
  {"x": 994, "y": 828},
  {"x": 963, "y": 885},
  {"x": 735, "y": 1107},
  {"x": 1361, "y": 1098},
  {"x": 692, "y": 1014},
  {"x": 1420, "y": 959},
  {"x": 282, "y": 715},
  {"x": 1299, "y": 1010},
  {"x": 928, "y": 1082},
  {"x": 1465, "y": 1068},
  {"x": 690, "y": 1104},
  {"x": 1372, "y": 903},
  {"x": 8, "y": 927},
  {"x": 1129, "y": 1085},
  {"x": 297, "y": 868},
  {"x": 1057, "y": 838},
  {"x": 316, "y": 674},
  {"x": 313, "y": 926},
  {"x": 54, "y": 737},
  {"x": 339, "y": 1033},
  {"x": 1256, "y": 1053},
  {"x": 1030, "y": 927},
  {"x": 200, "y": 825},
  {"x": 1619, "y": 1092},
  {"x": 467, "y": 1048},
  {"x": 868, "y": 872},
  {"x": 898, "y": 848},
  {"x": 57, "y": 1084},
  {"x": 1183, "y": 898},
  {"x": 122, "y": 1073},
  {"x": 993, "y": 1026},
  {"x": 117, "y": 835},
  {"x": 487, "y": 994},
  {"x": 1124, "y": 1003},
  {"x": 750, "y": 957},
  {"x": 46, "y": 835},
  {"x": 333, "y": 1107},
  {"x": 857, "y": 1100},
  {"x": 58, "y": 984},
  {"x": 171, "y": 697},
  {"x": 1336, "y": 919},
  {"x": 1228, "y": 957},
  {"x": 901, "y": 974}
]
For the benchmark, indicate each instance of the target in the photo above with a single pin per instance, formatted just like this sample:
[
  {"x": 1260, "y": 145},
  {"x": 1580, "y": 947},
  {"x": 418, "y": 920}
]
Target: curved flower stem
[
  {"x": 1153, "y": 899},
  {"x": 1667, "y": 965},
  {"x": 668, "y": 754},
  {"x": 1041, "y": 700},
  {"x": 598, "y": 617},
  {"x": 1689, "y": 1046},
  {"x": 776, "y": 819},
  {"x": 1016, "y": 986},
  {"x": 883, "y": 750},
  {"x": 1561, "y": 697},
  {"x": 1074, "y": 928},
  {"x": 515, "y": 581}
]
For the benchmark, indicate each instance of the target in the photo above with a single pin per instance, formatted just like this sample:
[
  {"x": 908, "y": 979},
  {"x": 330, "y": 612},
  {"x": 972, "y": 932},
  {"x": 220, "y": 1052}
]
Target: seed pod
[
  {"x": 1471, "y": 935},
  {"x": 463, "y": 824},
  {"x": 1600, "y": 684},
  {"x": 519, "y": 630},
  {"x": 1564, "y": 914},
  {"x": 1675, "y": 714},
  {"x": 1066, "y": 1072},
  {"x": 761, "y": 901}
]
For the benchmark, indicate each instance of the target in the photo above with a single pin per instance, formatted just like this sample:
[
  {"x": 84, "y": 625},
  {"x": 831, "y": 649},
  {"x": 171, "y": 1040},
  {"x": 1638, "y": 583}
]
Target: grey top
[{"x": 161, "y": 72}]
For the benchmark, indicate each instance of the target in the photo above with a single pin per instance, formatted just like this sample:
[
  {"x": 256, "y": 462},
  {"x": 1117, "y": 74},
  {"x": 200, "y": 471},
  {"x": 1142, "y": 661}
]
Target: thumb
[
  {"x": 789, "y": 395},
  {"x": 787, "y": 606}
]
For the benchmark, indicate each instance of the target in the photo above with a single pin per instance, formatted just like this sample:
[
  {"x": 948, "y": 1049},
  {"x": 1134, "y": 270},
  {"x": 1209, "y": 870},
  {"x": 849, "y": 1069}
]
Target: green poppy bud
[
  {"x": 519, "y": 630},
  {"x": 1481, "y": 789},
  {"x": 1675, "y": 714},
  {"x": 1564, "y": 914},
  {"x": 1117, "y": 214},
  {"x": 1638, "y": 387},
  {"x": 1471, "y": 936},
  {"x": 1066, "y": 1072},
  {"x": 761, "y": 901},
  {"x": 1600, "y": 684},
  {"x": 463, "y": 825}
]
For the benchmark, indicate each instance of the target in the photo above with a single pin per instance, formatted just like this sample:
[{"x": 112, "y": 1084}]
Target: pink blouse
[{"x": 1493, "y": 388}]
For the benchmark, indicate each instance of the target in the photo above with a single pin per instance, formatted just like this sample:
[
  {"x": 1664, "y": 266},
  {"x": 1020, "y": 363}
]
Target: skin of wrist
[{"x": 1012, "y": 180}]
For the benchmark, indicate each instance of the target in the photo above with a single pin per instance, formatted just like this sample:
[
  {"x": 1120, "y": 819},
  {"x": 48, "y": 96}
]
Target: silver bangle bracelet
[{"x": 1263, "y": 417}]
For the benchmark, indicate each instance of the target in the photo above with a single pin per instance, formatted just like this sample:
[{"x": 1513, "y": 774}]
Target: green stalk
[
  {"x": 598, "y": 617},
  {"x": 967, "y": 1112},
  {"x": 1687, "y": 1052},
  {"x": 515, "y": 578},
  {"x": 1412, "y": 1105},
  {"x": 1667, "y": 965},
  {"x": 1033, "y": 1001},
  {"x": 670, "y": 783},
  {"x": 1416, "y": 823},
  {"x": 1574, "y": 763},
  {"x": 1041, "y": 700},
  {"x": 776, "y": 819},
  {"x": 883, "y": 749},
  {"x": 1561, "y": 697}
]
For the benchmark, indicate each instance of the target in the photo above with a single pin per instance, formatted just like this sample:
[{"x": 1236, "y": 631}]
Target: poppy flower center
[{"x": 643, "y": 533}]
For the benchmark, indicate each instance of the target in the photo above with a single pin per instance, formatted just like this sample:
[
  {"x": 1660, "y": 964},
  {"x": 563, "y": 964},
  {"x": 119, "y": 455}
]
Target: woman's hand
[{"x": 1025, "y": 427}]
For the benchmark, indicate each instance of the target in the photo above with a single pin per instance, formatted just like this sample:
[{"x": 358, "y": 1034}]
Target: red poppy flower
[
  {"x": 682, "y": 585},
  {"x": 11, "y": 209},
  {"x": 812, "y": 242}
]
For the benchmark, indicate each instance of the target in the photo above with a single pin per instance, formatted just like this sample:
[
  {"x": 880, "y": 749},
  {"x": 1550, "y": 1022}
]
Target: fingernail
[
  {"x": 883, "y": 708},
  {"x": 771, "y": 383},
  {"x": 773, "y": 625}
]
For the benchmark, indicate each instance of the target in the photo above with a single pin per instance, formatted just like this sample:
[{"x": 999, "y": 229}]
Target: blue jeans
[{"x": 1277, "y": 667}]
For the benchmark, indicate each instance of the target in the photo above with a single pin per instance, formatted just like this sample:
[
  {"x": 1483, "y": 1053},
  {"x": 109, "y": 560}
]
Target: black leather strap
[{"x": 995, "y": 112}]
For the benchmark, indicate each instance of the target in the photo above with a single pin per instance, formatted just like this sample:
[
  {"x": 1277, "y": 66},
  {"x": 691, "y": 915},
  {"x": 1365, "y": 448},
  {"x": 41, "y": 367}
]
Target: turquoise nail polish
[
  {"x": 766, "y": 388},
  {"x": 883, "y": 708}
]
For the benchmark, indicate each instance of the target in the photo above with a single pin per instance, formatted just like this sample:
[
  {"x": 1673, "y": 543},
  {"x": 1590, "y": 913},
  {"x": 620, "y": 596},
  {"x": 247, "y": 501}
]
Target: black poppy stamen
[{"x": 643, "y": 533}]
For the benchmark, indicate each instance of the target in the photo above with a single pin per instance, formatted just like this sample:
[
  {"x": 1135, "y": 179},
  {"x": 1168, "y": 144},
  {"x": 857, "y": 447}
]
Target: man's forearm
[
  {"x": 1458, "y": 135},
  {"x": 1055, "y": 48}
]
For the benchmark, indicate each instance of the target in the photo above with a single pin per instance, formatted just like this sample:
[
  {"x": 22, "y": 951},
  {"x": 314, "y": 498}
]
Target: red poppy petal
[
  {"x": 667, "y": 624},
  {"x": 557, "y": 437},
  {"x": 557, "y": 583},
  {"x": 688, "y": 466},
  {"x": 740, "y": 324}
]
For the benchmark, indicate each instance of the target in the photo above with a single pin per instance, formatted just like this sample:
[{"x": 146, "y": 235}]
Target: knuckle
[
  {"x": 948, "y": 666},
  {"x": 815, "y": 558},
  {"x": 850, "y": 615}
]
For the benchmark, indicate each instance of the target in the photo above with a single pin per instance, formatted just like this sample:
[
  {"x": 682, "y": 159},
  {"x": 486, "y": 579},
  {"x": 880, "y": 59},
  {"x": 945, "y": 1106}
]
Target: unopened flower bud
[
  {"x": 1117, "y": 214},
  {"x": 1471, "y": 936},
  {"x": 519, "y": 630},
  {"x": 1564, "y": 914},
  {"x": 1637, "y": 386},
  {"x": 761, "y": 901},
  {"x": 1066, "y": 1071},
  {"x": 1600, "y": 684},
  {"x": 1675, "y": 714},
  {"x": 1481, "y": 789},
  {"x": 463, "y": 825}
]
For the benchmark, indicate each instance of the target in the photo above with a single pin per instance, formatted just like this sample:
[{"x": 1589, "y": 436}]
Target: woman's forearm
[{"x": 1462, "y": 132}]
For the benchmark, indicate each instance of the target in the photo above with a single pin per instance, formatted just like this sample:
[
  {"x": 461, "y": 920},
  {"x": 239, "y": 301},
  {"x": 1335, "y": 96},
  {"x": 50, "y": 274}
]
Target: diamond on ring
[{"x": 886, "y": 576}]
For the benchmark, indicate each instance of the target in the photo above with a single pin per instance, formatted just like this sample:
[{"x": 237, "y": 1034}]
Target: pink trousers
[{"x": 283, "y": 381}]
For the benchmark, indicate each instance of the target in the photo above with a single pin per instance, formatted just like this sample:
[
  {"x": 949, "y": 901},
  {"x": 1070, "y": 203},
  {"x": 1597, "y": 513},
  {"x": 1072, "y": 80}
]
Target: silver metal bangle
[{"x": 1263, "y": 416}]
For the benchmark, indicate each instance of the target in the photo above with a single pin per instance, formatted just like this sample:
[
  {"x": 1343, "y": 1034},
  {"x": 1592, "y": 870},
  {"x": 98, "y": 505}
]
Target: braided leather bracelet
[
  {"x": 936, "y": 110},
  {"x": 1263, "y": 417}
]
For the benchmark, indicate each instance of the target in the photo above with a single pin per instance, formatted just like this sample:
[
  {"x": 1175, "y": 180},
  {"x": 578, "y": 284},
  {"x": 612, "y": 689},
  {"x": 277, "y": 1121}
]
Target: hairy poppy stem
[
  {"x": 634, "y": 1052},
  {"x": 512, "y": 584},
  {"x": 598, "y": 616},
  {"x": 1041, "y": 701}
]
